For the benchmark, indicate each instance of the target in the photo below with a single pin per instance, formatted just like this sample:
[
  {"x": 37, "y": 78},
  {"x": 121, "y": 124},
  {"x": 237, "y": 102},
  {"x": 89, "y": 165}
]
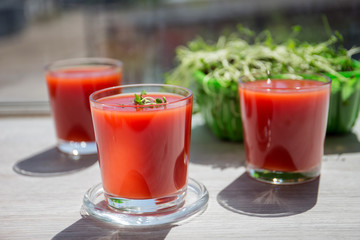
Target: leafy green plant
[{"x": 245, "y": 53}]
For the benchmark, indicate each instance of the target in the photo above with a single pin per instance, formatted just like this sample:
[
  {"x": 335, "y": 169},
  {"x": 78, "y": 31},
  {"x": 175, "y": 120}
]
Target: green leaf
[
  {"x": 137, "y": 99},
  {"x": 148, "y": 100},
  {"x": 348, "y": 89}
]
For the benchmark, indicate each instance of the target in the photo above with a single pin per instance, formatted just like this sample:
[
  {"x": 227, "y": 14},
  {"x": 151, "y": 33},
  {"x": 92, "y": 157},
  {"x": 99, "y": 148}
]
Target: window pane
[{"x": 142, "y": 34}]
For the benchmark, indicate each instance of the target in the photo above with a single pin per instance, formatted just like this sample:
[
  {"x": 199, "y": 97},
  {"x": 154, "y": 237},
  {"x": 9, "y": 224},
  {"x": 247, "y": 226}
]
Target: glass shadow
[
  {"x": 52, "y": 163},
  {"x": 250, "y": 197},
  {"x": 206, "y": 149},
  {"x": 89, "y": 228}
]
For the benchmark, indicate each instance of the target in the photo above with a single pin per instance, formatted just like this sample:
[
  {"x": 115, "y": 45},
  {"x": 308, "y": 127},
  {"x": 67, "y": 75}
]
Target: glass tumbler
[
  {"x": 284, "y": 120},
  {"x": 70, "y": 83},
  {"x": 143, "y": 137}
]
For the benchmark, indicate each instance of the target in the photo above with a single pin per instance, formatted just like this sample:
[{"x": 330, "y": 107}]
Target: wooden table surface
[{"x": 47, "y": 206}]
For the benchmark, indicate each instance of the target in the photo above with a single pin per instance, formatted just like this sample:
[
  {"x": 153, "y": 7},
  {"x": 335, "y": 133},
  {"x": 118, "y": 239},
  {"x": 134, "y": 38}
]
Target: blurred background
[{"x": 143, "y": 34}]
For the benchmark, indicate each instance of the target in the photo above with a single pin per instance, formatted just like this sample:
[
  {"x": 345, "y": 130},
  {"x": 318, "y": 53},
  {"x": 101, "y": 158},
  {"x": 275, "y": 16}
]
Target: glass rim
[
  {"x": 326, "y": 83},
  {"x": 54, "y": 67},
  {"x": 115, "y": 106}
]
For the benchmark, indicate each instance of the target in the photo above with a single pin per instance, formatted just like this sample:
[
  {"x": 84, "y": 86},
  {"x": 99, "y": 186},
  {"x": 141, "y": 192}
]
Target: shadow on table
[
  {"x": 337, "y": 144},
  {"x": 89, "y": 228},
  {"x": 250, "y": 197},
  {"x": 206, "y": 149},
  {"x": 52, "y": 162}
]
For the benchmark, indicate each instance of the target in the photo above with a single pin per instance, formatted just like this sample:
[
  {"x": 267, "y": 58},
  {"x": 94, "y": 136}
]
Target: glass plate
[{"x": 196, "y": 200}]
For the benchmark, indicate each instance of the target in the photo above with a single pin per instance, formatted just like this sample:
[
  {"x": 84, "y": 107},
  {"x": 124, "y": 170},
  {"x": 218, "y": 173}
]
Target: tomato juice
[
  {"x": 284, "y": 123},
  {"x": 69, "y": 90},
  {"x": 143, "y": 150}
]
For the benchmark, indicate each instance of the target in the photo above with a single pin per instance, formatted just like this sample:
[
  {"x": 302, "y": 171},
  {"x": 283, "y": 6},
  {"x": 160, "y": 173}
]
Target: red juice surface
[
  {"x": 143, "y": 153},
  {"x": 69, "y": 92},
  {"x": 284, "y": 128}
]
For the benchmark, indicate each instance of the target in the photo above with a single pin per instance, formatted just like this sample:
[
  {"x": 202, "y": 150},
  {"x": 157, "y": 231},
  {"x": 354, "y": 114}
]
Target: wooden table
[{"x": 47, "y": 206}]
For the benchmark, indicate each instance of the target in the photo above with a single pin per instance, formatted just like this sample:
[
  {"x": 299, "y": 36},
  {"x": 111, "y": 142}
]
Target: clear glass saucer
[{"x": 196, "y": 199}]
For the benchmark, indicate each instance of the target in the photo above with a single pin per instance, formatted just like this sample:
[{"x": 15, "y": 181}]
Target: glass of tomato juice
[
  {"x": 143, "y": 137},
  {"x": 284, "y": 119},
  {"x": 70, "y": 83}
]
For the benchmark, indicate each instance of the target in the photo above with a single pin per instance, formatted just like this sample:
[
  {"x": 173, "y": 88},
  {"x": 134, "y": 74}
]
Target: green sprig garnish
[{"x": 143, "y": 100}]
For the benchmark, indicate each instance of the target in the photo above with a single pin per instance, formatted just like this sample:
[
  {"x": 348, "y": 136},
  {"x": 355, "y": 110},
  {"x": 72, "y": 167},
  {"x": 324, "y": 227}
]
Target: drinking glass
[
  {"x": 70, "y": 83},
  {"x": 143, "y": 149},
  {"x": 284, "y": 119}
]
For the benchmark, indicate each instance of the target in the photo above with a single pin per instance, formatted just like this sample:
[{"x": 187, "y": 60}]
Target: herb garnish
[{"x": 141, "y": 100}]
